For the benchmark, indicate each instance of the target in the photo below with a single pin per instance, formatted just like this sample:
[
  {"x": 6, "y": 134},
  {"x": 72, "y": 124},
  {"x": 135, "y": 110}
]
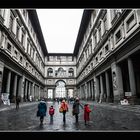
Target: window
[
  {"x": 96, "y": 59},
  {"x": 92, "y": 65},
  {"x": 50, "y": 72},
  {"x": 9, "y": 47},
  {"x": 33, "y": 53},
  {"x": 60, "y": 89},
  {"x": 11, "y": 22},
  {"x": 100, "y": 35},
  {"x": 17, "y": 31},
  {"x": 106, "y": 48},
  {"x": 22, "y": 38},
  {"x": 95, "y": 38},
  {"x": 105, "y": 23},
  {"x": 51, "y": 58},
  {"x": 58, "y": 58},
  {"x": 16, "y": 53},
  {"x": 28, "y": 43},
  {"x": 69, "y": 58},
  {"x": 30, "y": 51},
  {"x": 101, "y": 55},
  {"x": 27, "y": 64},
  {"x": 21, "y": 59},
  {"x": 63, "y": 58},
  {"x": 130, "y": 22},
  {"x": 71, "y": 72},
  {"x": 118, "y": 36}
]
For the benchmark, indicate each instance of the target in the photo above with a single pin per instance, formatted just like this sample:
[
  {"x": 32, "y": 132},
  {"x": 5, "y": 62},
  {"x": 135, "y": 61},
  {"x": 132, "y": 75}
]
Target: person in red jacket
[
  {"x": 51, "y": 113},
  {"x": 87, "y": 111}
]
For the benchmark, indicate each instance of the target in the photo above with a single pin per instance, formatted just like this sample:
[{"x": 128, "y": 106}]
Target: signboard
[
  {"x": 5, "y": 98},
  {"x": 128, "y": 94}
]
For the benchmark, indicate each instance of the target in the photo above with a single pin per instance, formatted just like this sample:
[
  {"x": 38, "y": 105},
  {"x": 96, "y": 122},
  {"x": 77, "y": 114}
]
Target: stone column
[
  {"x": 102, "y": 89},
  {"x": 26, "y": 89},
  {"x": 29, "y": 90},
  {"x": 21, "y": 87},
  {"x": 33, "y": 90},
  {"x": 1, "y": 78},
  {"x": 117, "y": 82},
  {"x": 132, "y": 82},
  {"x": 89, "y": 90},
  {"x": 131, "y": 77},
  {"x": 86, "y": 92},
  {"x": 96, "y": 89},
  {"x": 80, "y": 92},
  {"x": 53, "y": 93},
  {"x": 92, "y": 86},
  {"x": 39, "y": 92},
  {"x": 107, "y": 86},
  {"x": 8, "y": 82},
  {"x": 15, "y": 85},
  {"x": 1, "y": 75}
]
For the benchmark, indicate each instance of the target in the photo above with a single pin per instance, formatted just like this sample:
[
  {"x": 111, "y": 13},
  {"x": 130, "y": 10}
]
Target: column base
[{"x": 133, "y": 100}]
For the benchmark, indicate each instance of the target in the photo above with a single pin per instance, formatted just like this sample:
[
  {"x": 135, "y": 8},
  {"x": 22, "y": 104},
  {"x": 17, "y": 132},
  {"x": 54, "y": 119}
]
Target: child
[
  {"x": 87, "y": 110},
  {"x": 51, "y": 113}
]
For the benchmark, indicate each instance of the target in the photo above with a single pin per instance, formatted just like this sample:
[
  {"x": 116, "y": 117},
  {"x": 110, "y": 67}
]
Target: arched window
[
  {"x": 60, "y": 89},
  {"x": 60, "y": 72},
  {"x": 50, "y": 72},
  {"x": 71, "y": 72}
]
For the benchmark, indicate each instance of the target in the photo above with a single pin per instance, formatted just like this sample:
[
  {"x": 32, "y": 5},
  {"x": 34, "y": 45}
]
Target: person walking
[
  {"x": 64, "y": 107},
  {"x": 51, "y": 113},
  {"x": 76, "y": 109},
  {"x": 17, "y": 102},
  {"x": 87, "y": 111},
  {"x": 42, "y": 108}
]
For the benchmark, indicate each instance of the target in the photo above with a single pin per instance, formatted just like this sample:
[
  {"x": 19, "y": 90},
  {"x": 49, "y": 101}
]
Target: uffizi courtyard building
[{"x": 104, "y": 66}]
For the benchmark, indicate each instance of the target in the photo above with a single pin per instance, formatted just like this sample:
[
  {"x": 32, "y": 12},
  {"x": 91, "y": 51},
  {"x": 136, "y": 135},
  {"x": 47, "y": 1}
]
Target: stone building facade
[
  {"x": 104, "y": 66},
  {"x": 22, "y": 54},
  {"x": 107, "y": 51},
  {"x": 60, "y": 73}
]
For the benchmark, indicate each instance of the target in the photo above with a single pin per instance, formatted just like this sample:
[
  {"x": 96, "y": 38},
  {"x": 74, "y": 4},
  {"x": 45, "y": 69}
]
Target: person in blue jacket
[{"x": 42, "y": 109}]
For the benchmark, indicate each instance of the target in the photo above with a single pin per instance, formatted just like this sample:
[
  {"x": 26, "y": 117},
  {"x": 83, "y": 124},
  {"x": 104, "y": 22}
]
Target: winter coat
[
  {"x": 51, "y": 111},
  {"x": 76, "y": 107},
  {"x": 86, "y": 113},
  {"x": 64, "y": 106},
  {"x": 42, "y": 108}
]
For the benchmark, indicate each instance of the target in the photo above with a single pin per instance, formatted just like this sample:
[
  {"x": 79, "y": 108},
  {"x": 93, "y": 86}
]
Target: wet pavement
[{"x": 104, "y": 117}]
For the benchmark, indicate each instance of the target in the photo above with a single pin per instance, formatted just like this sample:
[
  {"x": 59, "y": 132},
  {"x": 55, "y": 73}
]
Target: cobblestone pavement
[{"x": 104, "y": 117}]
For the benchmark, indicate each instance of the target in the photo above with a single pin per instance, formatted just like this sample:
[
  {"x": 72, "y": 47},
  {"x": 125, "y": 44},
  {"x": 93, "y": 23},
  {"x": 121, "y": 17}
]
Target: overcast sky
[{"x": 60, "y": 28}]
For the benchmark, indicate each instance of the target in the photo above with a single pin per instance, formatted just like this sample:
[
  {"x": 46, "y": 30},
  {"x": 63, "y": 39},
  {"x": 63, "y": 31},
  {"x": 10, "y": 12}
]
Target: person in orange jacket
[
  {"x": 87, "y": 111},
  {"x": 64, "y": 107}
]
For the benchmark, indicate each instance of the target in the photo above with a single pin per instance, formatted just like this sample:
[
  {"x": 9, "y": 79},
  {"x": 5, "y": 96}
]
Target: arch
[
  {"x": 60, "y": 69},
  {"x": 60, "y": 89},
  {"x": 60, "y": 72},
  {"x": 50, "y": 72},
  {"x": 71, "y": 72}
]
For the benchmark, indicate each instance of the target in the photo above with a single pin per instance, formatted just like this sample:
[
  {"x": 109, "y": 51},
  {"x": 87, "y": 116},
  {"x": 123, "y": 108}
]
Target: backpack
[{"x": 51, "y": 111}]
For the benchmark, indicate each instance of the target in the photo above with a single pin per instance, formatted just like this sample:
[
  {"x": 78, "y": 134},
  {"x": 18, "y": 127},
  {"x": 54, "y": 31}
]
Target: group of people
[{"x": 42, "y": 109}]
